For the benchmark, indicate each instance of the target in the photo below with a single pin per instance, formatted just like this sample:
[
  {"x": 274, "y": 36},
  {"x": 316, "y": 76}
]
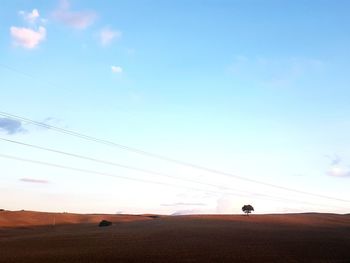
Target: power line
[
  {"x": 25, "y": 74},
  {"x": 114, "y": 164},
  {"x": 271, "y": 197},
  {"x": 145, "y": 181},
  {"x": 164, "y": 158},
  {"x": 88, "y": 171},
  {"x": 130, "y": 167},
  {"x": 17, "y": 71}
]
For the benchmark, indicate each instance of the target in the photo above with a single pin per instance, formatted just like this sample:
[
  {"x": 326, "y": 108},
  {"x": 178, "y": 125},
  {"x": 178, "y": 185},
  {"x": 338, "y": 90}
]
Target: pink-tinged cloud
[
  {"x": 339, "y": 171},
  {"x": 26, "y": 37},
  {"x": 74, "y": 19},
  {"x": 34, "y": 181},
  {"x": 107, "y": 36}
]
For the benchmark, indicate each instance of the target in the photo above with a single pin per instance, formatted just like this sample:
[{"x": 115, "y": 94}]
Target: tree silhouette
[{"x": 247, "y": 209}]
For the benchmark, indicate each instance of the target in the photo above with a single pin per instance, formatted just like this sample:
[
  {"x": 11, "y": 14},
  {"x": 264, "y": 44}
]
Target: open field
[{"x": 30, "y": 237}]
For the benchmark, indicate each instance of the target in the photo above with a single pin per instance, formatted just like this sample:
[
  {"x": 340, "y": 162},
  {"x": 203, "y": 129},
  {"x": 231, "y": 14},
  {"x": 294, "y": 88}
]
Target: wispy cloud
[
  {"x": 11, "y": 126},
  {"x": 274, "y": 72},
  {"x": 337, "y": 168},
  {"x": 30, "y": 17},
  {"x": 26, "y": 37},
  {"x": 130, "y": 51},
  {"x": 74, "y": 19},
  {"x": 107, "y": 35},
  {"x": 335, "y": 159},
  {"x": 184, "y": 204},
  {"x": 117, "y": 69},
  {"x": 34, "y": 181}
]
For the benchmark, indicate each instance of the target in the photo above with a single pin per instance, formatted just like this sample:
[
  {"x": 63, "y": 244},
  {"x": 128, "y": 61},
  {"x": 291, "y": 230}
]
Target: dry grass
[{"x": 29, "y": 237}]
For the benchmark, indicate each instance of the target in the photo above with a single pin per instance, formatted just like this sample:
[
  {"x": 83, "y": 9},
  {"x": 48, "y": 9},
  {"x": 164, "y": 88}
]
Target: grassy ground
[{"x": 212, "y": 238}]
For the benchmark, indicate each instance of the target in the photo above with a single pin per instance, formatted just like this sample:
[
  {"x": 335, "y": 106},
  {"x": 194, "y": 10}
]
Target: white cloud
[
  {"x": 26, "y": 37},
  {"x": 107, "y": 35},
  {"x": 30, "y": 17},
  {"x": 75, "y": 19},
  {"x": 116, "y": 69}
]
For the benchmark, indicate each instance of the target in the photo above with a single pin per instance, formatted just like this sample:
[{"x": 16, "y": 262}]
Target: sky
[{"x": 258, "y": 90}]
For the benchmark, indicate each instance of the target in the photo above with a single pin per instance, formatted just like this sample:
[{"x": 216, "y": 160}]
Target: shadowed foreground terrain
[{"x": 30, "y": 237}]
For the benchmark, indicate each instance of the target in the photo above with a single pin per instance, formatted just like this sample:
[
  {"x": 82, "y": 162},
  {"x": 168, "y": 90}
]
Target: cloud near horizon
[
  {"x": 107, "y": 35},
  {"x": 11, "y": 126},
  {"x": 75, "y": 19},
  {"x": 184, "y": 204},
  {"x": 186, "y": 212},
  {"x": 337, "y": 169},
  {"x": 35, "y": 181}
]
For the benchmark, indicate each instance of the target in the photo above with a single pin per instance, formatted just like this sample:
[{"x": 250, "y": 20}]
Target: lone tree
[{"x": 247, "y": 209}]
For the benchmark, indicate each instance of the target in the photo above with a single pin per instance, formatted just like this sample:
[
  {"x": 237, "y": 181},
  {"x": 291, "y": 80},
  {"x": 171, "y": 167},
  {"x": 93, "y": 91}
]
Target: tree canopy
[{"x": 247, "y": 209}]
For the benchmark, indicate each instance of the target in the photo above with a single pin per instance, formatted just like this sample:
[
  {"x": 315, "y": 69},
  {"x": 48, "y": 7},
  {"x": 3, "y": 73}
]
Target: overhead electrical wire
[
  {"x": 274, "y": 198},
  {"x": 25, "y": 74},
  {"x": 164, "y": 158},
  {"x": 83, "y": 157},
  {"x": 129, "y": 167}
]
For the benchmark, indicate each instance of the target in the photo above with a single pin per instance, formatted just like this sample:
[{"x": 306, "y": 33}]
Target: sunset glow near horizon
[{"x": 256, "y": 89}]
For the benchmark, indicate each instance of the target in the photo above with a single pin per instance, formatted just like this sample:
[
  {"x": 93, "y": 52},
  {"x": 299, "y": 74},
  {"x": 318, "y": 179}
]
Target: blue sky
[{"x": 258, "y": 89}]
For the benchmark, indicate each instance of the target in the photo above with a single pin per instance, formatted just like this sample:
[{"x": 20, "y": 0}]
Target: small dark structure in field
[
  {"x": 247, "y": 209},
  {"x": 154, "y": 216},
  {"x": 104, "y": 223}
]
